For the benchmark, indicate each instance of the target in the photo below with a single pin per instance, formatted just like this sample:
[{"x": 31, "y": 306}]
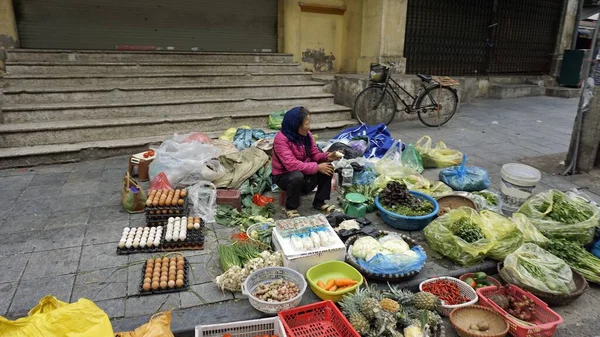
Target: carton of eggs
[
  {"x": 140, "y": 237},
  {"x": 176, "y": 229}
]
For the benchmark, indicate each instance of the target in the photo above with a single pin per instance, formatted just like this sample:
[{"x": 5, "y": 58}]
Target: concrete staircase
[
  {"x": 71, "y": 105},
  {"x": 515, "y": 86}
]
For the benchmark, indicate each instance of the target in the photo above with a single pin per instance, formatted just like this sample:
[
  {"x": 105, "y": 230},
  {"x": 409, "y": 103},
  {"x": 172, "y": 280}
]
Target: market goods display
[
  {"x": 487, "y": 200},
  {"x": 394, "y": 312},
  {"x": 301, "y": 225},
  {"x": 332, "y": 280},
  {"x": 162, "y": 204},
  {"x": 397, "y": 198},
  {"x": 270, "y": 327},
  {"x": 465, "y": 178},
  {"x": 438, "y": 156},
  {"x": 562, "y": 215},
  {"x": 479, "y": 280},
  {"x": 530, "y": 233},
  {"x": 538, "y": 269},
  {"x": 477, "y": 320},
  {"x": 273, "y": 289},
  {"x": 236, "y": 271},
  {"x": 183, "y": 233},
  {"x": 262, "y": 233},
  {"x": 279, "y": 290},
  {"x": 140, "y": 240},
  {"x": 504, "y": 233},
  {"x": 164, "y": 275},
  {"x": 453, "y": 293},
  {"x": 577, "y": 257}
]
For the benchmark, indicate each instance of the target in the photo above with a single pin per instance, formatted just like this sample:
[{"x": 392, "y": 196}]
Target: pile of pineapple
[{"x": 375, "y": 313}]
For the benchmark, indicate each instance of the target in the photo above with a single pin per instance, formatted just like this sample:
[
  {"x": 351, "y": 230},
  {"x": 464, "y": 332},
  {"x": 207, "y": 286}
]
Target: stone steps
[
  {"x": 86, "y": 130},
  {"x": 103, "y": 80},
  {"x": 27, "y": 67},
  {"x": 503, "y": 91},
  {"x": 60, "y": 153},
  {"x": 146, "y": 92},
  {"x": 563, "y": 92},
  {"x": 38, "y": 112},
  {"x": 43, "y": 55}
]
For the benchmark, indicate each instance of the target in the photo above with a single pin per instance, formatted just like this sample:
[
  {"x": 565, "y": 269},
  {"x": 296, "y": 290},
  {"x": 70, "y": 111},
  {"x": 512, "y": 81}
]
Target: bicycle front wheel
[
  {"x": 437, "y": 105},
  {"x": 375, "y": 105}
]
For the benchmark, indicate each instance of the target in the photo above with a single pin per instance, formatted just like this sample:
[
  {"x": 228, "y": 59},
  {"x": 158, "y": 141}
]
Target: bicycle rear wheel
[
  {"x": 375, "y": 105},
  {"x": 437, "y": 105}
]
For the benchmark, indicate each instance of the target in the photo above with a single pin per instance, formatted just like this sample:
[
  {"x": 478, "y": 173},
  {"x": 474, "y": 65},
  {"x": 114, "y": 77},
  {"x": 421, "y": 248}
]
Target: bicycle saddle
[{"x": 424, "y": 78}]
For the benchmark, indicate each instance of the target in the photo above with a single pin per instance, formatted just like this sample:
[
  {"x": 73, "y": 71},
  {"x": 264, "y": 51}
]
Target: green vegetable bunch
[
  {"x": 577, "y": 257},
  {"x": 489, "y": 197},
  {"x": 467, "y": 231},
  {"x": 562, "y": 210},
  {"x": 396, "y": 198}
]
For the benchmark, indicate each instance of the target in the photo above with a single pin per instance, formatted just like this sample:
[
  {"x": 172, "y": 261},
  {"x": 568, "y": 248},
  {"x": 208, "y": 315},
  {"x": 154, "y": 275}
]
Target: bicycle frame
[{"x": 409, "y": 108}]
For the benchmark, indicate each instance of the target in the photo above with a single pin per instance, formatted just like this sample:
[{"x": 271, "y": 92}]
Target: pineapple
[
  {"x": 404, "y": 297},
  {"x": 389, "y": 305},
  {"x": 385, "y": 322},
  {"x": 370, "y": 308},
  {"x": 428, "y": 317},
  {"x": 427, "y": 301},
  {"x": 359, "y": 323},
  {"x": 351, "y": 305}
]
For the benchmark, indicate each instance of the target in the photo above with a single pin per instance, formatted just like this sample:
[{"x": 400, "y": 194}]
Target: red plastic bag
[
  {"x": 199, "y": 136},
  {"x": 160, "y": 182},
  {"x": 261, "y": 200}
]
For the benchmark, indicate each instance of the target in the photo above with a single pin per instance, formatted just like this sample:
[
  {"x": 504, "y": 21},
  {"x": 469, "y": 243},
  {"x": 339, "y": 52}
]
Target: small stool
[{"x": 143, "y": 165}]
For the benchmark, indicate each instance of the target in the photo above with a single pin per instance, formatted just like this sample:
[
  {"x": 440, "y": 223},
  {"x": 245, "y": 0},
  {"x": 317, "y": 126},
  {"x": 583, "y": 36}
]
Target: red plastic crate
[
  {"x": 546, "y": 320},
  {"x": 321, "y": 319},
  {"x": 232, "y": 198}
]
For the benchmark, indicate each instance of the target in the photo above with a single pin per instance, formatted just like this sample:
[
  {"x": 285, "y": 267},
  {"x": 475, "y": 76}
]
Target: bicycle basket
[{"x": 378, "y": 73}]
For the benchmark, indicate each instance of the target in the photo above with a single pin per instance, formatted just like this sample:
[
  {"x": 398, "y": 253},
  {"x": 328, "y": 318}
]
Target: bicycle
[{"x": 378, "y": 103}]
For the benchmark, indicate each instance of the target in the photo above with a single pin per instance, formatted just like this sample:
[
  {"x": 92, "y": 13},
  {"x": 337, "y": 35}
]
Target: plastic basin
[
  {"x": 409, "y": 223},
  {"x": 332, "y": 270}
]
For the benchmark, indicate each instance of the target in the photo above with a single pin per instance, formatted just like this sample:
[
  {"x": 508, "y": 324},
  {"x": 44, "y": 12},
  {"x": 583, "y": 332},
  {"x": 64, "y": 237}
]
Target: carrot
[
  {"x": 333, "y": 288},
  {"x": 342, "y": 288},
  {"x": 320, "y": 284},
  {"x": 329, "y": 284},
  {"x": 345, "y": 282}
]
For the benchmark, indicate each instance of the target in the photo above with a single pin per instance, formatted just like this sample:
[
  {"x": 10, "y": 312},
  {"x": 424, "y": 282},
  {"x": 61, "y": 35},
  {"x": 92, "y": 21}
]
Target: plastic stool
[{"x": 143, "y": 165}]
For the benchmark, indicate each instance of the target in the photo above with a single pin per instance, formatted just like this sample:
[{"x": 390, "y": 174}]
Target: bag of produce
[
  {"x": 390, "y": 164},
  {"x": 505, "y": 235},
  {"x": 133, "y": 197},
  {"x": 411, "y": 158},
  {"x": 158, "y": 326},
  {"x": 560, "y": 215},
  {"x": 530, "y": 233},
  {"x": 438, "y": 156},
  {"x": 465, "y": 178},
  {"x": 389, "y": 254},
  {"x": 533, "y": 267},
  {"x": 416, "y": 182},
  {"x": 487, "y": 200},
  {"x": 275, "y": 120},
  {"x": 460, "y": 235}
]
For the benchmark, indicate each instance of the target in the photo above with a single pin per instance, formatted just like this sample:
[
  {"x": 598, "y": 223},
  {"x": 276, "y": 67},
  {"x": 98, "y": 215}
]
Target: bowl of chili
[{"x": 453, "y": 293}]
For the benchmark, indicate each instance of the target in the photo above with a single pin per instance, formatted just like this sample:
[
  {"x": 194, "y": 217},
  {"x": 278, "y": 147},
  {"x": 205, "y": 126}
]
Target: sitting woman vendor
[{"x": 299, "y": 166}]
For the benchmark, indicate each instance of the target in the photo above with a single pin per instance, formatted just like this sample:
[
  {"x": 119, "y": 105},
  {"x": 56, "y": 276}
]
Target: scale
[{"x": 355, "y": 205}]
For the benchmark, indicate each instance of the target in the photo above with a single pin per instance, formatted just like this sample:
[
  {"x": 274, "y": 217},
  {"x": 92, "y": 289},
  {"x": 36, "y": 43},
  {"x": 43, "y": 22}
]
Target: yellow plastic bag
[
  {"x": 438, "y": 156},
  {"x": 230, "y": 133},
  {"x": 158, "y": 326},
  {"x": 54, "y": 318},
  {"x": 506, "y": 236}
]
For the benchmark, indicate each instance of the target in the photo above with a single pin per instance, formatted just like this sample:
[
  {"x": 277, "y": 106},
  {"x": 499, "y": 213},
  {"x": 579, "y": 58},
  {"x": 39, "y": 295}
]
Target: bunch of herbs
[
  {"x": 468, "y": 231},
  {"x": 397, "y": 198},
  {"x": 564, "y": 211}
]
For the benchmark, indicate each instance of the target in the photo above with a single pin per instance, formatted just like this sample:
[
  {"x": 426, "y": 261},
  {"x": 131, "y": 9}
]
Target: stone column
[
  {"x": 565, "y": 33},
  {"x": 587, "y": 157},
  {"x": 8, "y": 30},
  {"x": 383, "y": 29}
]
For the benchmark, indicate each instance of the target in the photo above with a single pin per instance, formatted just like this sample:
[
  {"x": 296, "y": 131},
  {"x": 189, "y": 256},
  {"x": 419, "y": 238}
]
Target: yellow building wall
[{"x": 8, "y": 27}]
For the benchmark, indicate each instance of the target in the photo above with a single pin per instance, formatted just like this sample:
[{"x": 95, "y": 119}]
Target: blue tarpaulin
[{"x": 380, "y": 139}]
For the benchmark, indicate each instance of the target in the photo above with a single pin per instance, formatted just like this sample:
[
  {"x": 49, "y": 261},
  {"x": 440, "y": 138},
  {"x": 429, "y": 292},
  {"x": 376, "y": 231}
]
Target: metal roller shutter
[{"x": 204, "y": 25}]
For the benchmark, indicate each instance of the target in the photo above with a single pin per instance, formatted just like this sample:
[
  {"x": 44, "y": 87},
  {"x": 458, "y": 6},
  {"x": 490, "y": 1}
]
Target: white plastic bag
[
  {"x": 203, "y": 198},
  {"x": 390, "y": 164}
]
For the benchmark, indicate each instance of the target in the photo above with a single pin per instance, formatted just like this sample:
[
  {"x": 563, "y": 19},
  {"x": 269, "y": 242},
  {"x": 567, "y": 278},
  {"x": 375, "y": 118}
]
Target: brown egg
[
  {"x": 179, "y": 271},
  {"x": 180, "y": 264},
  {"x": 161, "y": 202},
  {"x": 148, "y": 275},
  {"x": 155, "y": 285},
  {"x": 174, "y": 202},
  {"x": 157, "y": 266},
  {"x": 180, "y": 202},
  {"x": 177, "y": 191},
  {"x": 148, "y": 202},
  {"x": 163, "y": 278},
  {"x": 150, "y": 262},
  {"x": 146, "y": 286},
  {"x": 173, "y": 259},
  {"x": 147, "y": 280},
  {"x": 172, "y": 277},
  {"x": 165, "y": 260},
  {"x": 183, "y": 193},
  {"x": 155, "y": 203},
  {"x": 171, "y": 284},
  {"x": 163, "y": 284},
  {"x": 172, "y": 269},
  {"x": 168, "y": 201},
  {"x": 149, "y": 270},
  {"x": 179, "y": 283},
  {"x": 180, "y": 277}
]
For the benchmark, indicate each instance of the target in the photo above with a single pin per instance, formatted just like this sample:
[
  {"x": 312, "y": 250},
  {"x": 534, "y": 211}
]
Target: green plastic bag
[
  {"x": 505, "y": 235},
  {"x": 440, "y": 237},
  {"x": 532, "y": 267},
  {"x": 530, "y": 233},
  {"x": 275, "y": 120},
  {"x": 438, "y": 156},
  {"x": 391, "y": 165},
  {"x": 560, "y": 215},
  {"x": 411, "y": 158}
]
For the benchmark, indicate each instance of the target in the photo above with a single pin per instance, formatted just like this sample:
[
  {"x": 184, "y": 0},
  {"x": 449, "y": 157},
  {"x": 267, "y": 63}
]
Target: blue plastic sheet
[
  {"x": 366, "y": 176},
  {"x": 244, "y": 138},
  {"x": 395, "y": 263},
  {"x": 465, "y": 178},
  {"x": 379, "y": 137}
]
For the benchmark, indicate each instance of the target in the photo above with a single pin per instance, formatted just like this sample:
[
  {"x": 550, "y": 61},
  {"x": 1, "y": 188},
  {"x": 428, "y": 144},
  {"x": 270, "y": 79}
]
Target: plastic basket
[
  {"x": 546, "y": 319},
  {"x": 271, "y": 274},
  {"x": 257, "y": 327},
  {"x": 408, "y": 223},
  {"x": 464, "y": 289},
  {"x": 322, "y": 319}
]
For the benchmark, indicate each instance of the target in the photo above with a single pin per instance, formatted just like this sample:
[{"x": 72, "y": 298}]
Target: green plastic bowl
[{"x": 332, "y": 270}]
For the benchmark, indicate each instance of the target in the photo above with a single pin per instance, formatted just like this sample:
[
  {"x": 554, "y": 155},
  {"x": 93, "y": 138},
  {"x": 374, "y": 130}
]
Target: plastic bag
[
  {"x": 416, "y": 182},
  {"x": 404, "y": 263},
  {"x": 191, "y": 137},
  {"x": 530, "y": 233},
  {"x": 439, "y": 156},
  {"x": 133, "y": 197},
  {"x": 230, "y": 133},
  {"x": 465, "y": 178},
  {"x": 504, "y": 234},
  {"x": 244, "y": 138},
  {"x": 487, "y": 200},
  {"x": 390, "y": 164},
  {"x": 366, "y": 176},
  {"x": 347, "y": 150},
  {"x": 211, "y": 170},
  {"x": 160, "y": 182},
  {"x": 359, "y": 145},
  {"x": 535, "y": 268},
  {"x": 51, "y": 317},
  {"x": 411, "y": 158},
  {"x": 275, "y": 120},
  {"x": 158, "y": 326},
  {"x": 440, "y": 237},
  {"x": 560, "y": 215},
  {"x": 203, "y": 197}
]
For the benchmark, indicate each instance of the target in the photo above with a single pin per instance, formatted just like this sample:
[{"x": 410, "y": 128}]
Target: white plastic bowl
[
  {"x": 269, "y": 274},
  {"x": 464, "y": 290}
]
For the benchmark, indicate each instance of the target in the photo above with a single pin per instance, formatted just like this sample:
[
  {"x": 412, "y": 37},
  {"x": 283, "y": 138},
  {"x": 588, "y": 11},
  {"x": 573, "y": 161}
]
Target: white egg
[
  {"x": 159, "y": 227},
  {"x": 136, "y": 240},
  {"x": 126, "y": 231},
  {"x": 136, "y": 244},
  {"x": 140, "y": 228},
  {"x": 123, "y": 240},
  {"x": 129, "y": 240},
  {"x": 128, "y": 244},
  {"x": 149, "y": 244},
  {"x": 168, "y": 237},
  {"x": 156, "y": 243},
  {"x": 142, "y": 244},
  {"x": 121, "y": 244},
  {"x": 177, "y": 218},
  {"x": 182, "y": 236},
  {"x": 197, "y": 225},
  {"x": 171, "y": 219}
]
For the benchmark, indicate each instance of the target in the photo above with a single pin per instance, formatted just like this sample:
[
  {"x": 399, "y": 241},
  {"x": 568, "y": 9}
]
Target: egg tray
[
  {"x": 185, "y": 287},
  {"x": 177, "y": 210},
  {"x": 127, "y": 251},
  {"x": 194, "y": 240}
]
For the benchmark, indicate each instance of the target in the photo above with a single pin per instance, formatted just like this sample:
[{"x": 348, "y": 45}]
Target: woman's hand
[
  {"x": 333, "y": 156},
  {"x": 326, "y": 169}
]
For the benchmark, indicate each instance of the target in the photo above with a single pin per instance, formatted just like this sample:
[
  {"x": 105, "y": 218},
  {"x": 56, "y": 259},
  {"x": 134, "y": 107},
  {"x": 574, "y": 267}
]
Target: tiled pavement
[{"x": 59, "y": 224}]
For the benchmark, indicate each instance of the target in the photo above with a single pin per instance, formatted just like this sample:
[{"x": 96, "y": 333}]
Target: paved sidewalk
[{"x": 59, "y": 224}]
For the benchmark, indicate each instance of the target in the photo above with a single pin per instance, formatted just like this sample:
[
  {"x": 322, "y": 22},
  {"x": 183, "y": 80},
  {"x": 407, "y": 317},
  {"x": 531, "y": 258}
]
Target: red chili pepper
[
  {"x": 239, "y": 237},
  {"x": 446, "y": 291}
]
